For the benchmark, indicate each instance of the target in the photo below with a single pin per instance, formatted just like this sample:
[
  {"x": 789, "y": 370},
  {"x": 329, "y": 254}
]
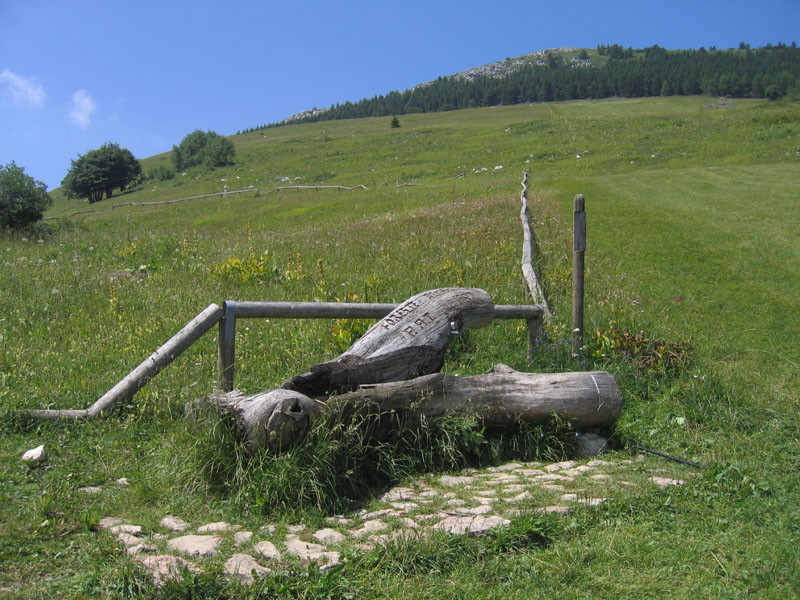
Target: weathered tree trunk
[
  {"x": 498, "y": 399},
  {"x": 279, "y": 418},
  {"x": 407, "y": 343},
  {"x": 276, "y": 419}
]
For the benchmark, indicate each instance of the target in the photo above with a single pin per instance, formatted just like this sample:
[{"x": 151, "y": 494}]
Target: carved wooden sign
[{"x": 408, "y": 342}]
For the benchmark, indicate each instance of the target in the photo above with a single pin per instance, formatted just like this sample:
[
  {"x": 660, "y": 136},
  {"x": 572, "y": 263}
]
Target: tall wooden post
[
  {"x": 578, "y": 250},
  {"x": 226, "y": 350}
]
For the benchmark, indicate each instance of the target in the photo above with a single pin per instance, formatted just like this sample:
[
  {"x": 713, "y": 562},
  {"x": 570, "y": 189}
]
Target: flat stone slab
[
  {"x": 474, "y": 525},
  {"x": 369, "y": 527},
  {"x": 128, "y": 539},
  {"x": 328, "y": 536},
  {"x": 514, "y": 488},
  {"x": 217, "y": 527},
  {"x": 241, "y": 537},
  {"x": 592, "y": 501},
  {"x": 454, "y": 480},
  {"x": 377, "y": 513},
  {"x": 109, "y": 522},
  {"x": 141, "y": 549},
  {"x": 310, "y": 552},
  {"x": 505, "y": 467},
  {"x": 398, "y": 494},
  {"x": 483, "y": 509},
  {"x": 529, "y": 472},
  {"x": 267, "y": 550},
  {"x": 520, "y": 497},
  {"x": 164, "y": 566},
  {"x": 196, "y": 545},
  {"x": 125, "y": 528},
  {"x": 556, "y": 508},
  {"x": 173, "y": 523},
  {"x": 665, "y": 482},
  {"x": 553, "y": 467},
  {"x": 243, "y": 566}
]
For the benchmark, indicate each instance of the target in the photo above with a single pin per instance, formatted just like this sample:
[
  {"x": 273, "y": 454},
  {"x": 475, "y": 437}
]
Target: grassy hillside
[{"x": 692, "y": 215}]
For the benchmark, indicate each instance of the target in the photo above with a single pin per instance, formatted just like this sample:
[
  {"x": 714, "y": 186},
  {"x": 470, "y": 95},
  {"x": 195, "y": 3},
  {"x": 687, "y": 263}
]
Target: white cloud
[
  {"x": 82, "y": 109},
  {"x": 24, "y": 92}
]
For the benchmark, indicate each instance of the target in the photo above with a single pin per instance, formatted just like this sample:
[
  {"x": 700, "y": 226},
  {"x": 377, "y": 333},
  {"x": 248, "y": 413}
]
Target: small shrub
[{"x": 646, "y": 354}]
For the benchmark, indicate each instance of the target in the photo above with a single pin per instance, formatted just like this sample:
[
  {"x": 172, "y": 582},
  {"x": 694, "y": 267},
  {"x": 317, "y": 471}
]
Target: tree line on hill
[
  {"x": 768, "y": 72},
  {"x": 99, "y": 172},
  {"x": 96, "y": 174}
]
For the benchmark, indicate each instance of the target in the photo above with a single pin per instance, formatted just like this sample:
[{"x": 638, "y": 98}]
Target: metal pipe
[{"x": 355, "y": 310}]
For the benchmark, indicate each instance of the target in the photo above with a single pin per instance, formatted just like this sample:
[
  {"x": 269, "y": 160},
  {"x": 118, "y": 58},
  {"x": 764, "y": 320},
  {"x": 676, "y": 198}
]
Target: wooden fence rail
[{"x": 226, "y": 352}]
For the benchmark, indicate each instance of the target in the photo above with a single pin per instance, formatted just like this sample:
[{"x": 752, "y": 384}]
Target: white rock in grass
[
  {"x": 475, "y": 525},
  {"x": 243, "y": 566},
  {"x": 218, "y": 526},
  {"x": 240, "y": 537},
  {"x": 34, "y": 455},
  {"x": 141, "y": 549},
  {"x": 521, "y": 497},
  {"x": 124, "y": 528},
  {"x": 666, "y": 481},
  {"x": 196, "y": 545},
  {"x": 451, "y": 480},
  {"x": 592, "y": 501},
  {"x": 309, "y": 552},
  {"x": 108, "y": 522},
  {"x": 483, "y": 509},
  {"x": 556, "y": 508},
  {"x": 165, "y": 566},
  {"x": 328, "y": 536},
  {"x": 173, "y": 523},
  {"x": 368, "y": 527},
  {"x": 128, "y": 539},
  {"x": 267, "y": 550}
]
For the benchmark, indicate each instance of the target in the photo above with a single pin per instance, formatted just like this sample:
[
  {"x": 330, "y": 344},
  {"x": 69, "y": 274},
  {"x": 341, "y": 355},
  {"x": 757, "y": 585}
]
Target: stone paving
[{"x": 473, "y": 502}]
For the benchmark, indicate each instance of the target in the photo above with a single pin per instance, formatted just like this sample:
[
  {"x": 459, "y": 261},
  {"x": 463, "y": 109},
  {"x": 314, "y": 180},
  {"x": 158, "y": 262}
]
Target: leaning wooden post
[
  {"x": 528, "y": 272},
  {"x": 578, "y": 250},
  {"x": 226, "y": 349}
]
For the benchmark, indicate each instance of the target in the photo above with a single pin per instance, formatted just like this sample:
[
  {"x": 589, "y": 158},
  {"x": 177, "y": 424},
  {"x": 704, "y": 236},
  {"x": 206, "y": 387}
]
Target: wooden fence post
[
  {"x": 578, "y": 250},
  {"x": 226, "y": 350}
]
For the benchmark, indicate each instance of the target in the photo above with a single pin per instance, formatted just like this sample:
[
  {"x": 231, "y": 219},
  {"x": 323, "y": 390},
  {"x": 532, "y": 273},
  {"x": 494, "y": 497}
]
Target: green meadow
[{"x": 693, "y": 214}]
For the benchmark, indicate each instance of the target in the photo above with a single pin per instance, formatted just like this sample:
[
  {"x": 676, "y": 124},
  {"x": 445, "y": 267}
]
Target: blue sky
[{"x": 76, "y": 74}]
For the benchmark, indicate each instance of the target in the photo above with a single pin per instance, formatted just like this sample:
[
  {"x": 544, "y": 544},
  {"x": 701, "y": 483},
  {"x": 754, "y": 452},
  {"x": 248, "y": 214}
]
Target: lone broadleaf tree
[
  {"x": 99, "y": 172},
  {"x": 22, "y": 198}
]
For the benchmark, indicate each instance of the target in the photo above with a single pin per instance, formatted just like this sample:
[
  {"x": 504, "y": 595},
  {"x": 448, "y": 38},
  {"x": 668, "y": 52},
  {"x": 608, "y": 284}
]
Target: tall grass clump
[{"x": 346, "y": 457}]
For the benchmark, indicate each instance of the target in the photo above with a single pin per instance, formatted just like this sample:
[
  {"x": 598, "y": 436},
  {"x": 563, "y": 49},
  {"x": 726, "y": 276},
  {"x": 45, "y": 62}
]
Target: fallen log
[
  {"x": 408, "y": 342},
  {"x": 279, "y": 418},
  {"x": 499, "y": 399}
]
